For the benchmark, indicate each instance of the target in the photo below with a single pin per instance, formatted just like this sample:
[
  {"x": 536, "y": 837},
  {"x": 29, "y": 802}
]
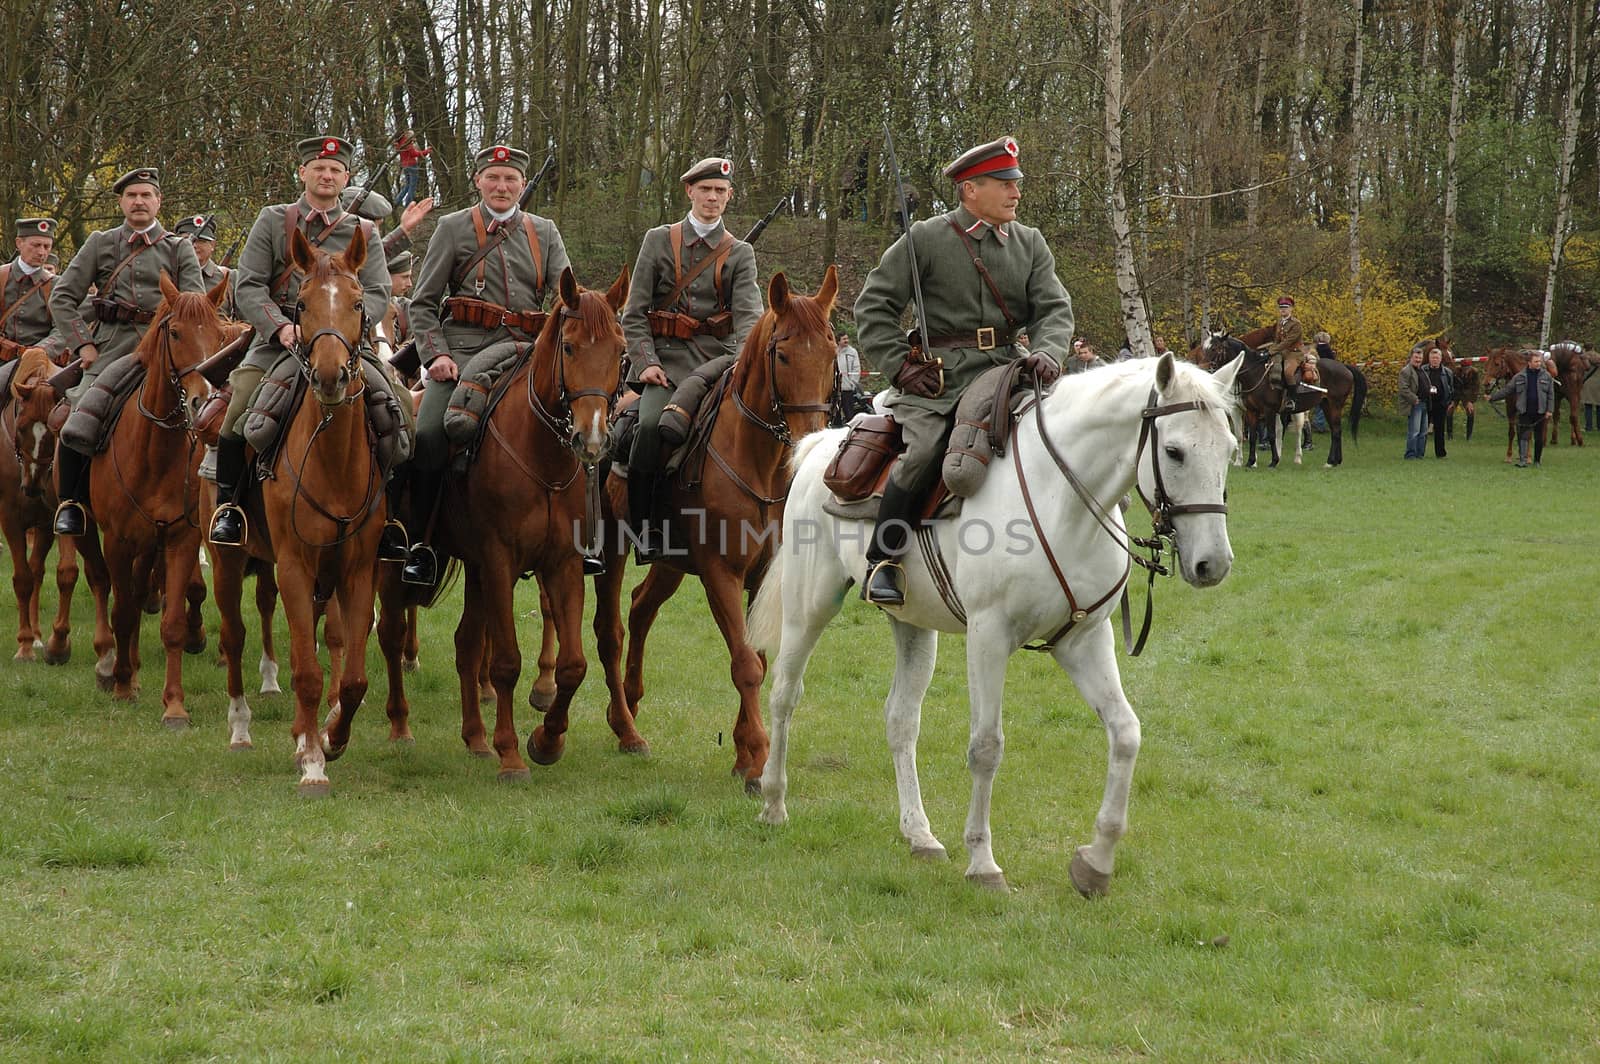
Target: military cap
[
  {"x": 326, "y": 146},
  {"x": 198, "y": 227},
  {"x": 401, "y": 263},
  {"x": 500, "y": 155},
  {"x": 1286, "y": 301},
  {"x": 374, "y": 207},
  {"x": 36, "y": 227},
  {"x": 998, "y": 159},
  {"x": 713, "y": 169},
  {"x": 144, "y": 175}
]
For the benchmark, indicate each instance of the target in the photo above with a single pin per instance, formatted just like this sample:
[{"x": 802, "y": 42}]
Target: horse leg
[
  {"x": 354, "y": 617},
  {"x": 1472, "y": 411},
  {"x": 723, "y": 588},
  {"x": 266, "y": 606},
  {"x": 333, "y": 636},
  {"x": 987, "y": 652},
  {"x": 1335, "y": 416},
  {"x": 181, "y": 558},
  {"x": 653, "y": 591},
  {"x": 1251, "y": 429},
  {"x": 1275, "y": 424},
  {"x": 58, "y": 651},
  {"x": 916, "y": 650},
  {"x": 608, "y": 646},
  {"x": 565, "y": 583},
  {"x": 392, "y": 621},
  {"x": 127, "y": 601},
  {"x": 469, "y": 652},
  {"x": 1297, "y": 425},
  {"x": 99, "y": 575},
  {"x": 485, "y": 684},
  {"x": 410, "y": 650},
  {"x": 156, "y": 582},
  {"x": 227, "y": 577},
  {"x": 1091, "y": 661},
  {"x": 295, "y": 583},
  {"x": 1511, "y": 430},
  {"x": 195, "y": 632},
  {"x": 543, "y": 692},
  {"x": 23, "y": 585},
  {"x": 497, "y": 583}
]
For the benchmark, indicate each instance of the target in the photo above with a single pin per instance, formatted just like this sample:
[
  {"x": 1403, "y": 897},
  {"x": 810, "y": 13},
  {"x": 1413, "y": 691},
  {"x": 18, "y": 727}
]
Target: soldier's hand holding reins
[
  {"x": 1044, "y": 369},
  {"x": 920, "y": 378}
]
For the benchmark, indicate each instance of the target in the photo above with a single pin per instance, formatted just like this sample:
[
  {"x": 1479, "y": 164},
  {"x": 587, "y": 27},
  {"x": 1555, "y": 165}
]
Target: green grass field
[{"x": 1362, "y": 829}]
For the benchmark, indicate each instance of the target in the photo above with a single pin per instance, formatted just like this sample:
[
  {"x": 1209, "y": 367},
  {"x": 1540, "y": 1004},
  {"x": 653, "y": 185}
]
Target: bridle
[
  {"x": 302, "y": 354},
  {"x": 559, "y": 421},
  {"x": 778, "y": 427},
  {"x": 181, "y": 416}
]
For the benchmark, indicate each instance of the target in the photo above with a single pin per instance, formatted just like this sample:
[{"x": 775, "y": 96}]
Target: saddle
[
  {"x": 7, "y": 371},
  {"x": 479, "y": 392},
  {"x": 687, "y": 421},
  {"x": 860, "y": 471},
  {"x": 88, "y": 428}
]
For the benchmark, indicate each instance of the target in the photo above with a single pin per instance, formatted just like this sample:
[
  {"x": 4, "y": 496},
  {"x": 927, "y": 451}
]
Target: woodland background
[{"x": 1404, "y": 168}]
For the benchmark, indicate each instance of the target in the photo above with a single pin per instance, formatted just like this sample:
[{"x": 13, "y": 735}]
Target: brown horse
[
  {"x": 777, "y": 392},
  {"x": 27, "y": 501},
  {"x": 324, "y": 508},
  {"x": 1571, "y": 368},
  {"x": 1505, "y": 363},
  {"x": 1261, "y": 392},
  {"x": 521, "y": 509},
  {"x": 144, "y": 491},
  {"x": 1468, "y": 385}
]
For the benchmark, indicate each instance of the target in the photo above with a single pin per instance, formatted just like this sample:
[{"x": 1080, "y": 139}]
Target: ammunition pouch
[
  {"x": 118, "y": 312},
  {"x": 10, "y": 349},
  {"x": 685, "y": 326},
  {"x": 482, "y": 314}
]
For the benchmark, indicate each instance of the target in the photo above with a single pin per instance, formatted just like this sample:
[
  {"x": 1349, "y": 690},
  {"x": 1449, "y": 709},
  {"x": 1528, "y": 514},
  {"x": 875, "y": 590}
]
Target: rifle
[
  {"x": 66, "y": 377},
  {"x": 918, "y": 336},
  {"x": 215, "y": 369},
  {"x": 366, "y": 190},
  {"x": 755, "y": 234},
  {"x": 534, "y": 182},
  {"x": 233, "y": 249}
]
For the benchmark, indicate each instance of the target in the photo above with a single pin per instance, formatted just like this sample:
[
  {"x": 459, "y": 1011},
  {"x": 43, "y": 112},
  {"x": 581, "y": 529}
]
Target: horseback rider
[
  {"x": 985, "y": 278},
  {"x": 1289, "y": 350},
  {"x": 25, "y": 284},
  {"x": 694, "y": 298},
  {"x": 479, "y": 294},
  {"x": 266, "y": 287},
  {"x": 201, "y": 231},
  {"x": 124, "y": 265}
]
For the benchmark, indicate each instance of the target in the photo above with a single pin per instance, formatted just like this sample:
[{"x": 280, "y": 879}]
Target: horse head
[
  {"x": 187, "y": 330},
  {"x": 1183, "y": 477},
  {"x": 333, "y": 319},
  {"x": 588, "y": 362},
  {"x": 793, "y": 346},
  {"x": 35, "y": 443}
]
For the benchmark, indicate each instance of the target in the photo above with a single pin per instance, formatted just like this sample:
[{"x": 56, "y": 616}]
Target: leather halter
[
  {"x": 559, "y": 421},
  {"x": 779, "y": 425},
  {"x": 302, "y": 353}
]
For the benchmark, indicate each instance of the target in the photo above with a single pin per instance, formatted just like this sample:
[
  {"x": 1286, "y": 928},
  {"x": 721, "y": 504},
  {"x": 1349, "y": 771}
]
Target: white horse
[{"x": 1028, "y": 559}]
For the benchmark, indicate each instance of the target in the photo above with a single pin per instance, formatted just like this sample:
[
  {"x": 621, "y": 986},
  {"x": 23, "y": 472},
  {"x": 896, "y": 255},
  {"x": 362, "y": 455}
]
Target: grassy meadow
[{"x": 1362, "y": 829}]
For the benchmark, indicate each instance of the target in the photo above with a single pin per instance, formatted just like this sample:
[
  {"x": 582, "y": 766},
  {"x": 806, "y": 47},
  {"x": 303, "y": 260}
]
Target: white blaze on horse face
[
  {"x": 594, "y": 437},
  {"x": 36, "y": 453}
]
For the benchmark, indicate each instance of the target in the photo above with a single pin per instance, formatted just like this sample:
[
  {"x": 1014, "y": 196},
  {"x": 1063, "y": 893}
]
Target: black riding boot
[
  {"x": 650, "y": 543},
  {"x": 227, "y": 524},
  {"x": 422, "y": 561},
  {"x": 885, "y": 582},
  {"x": 72, "y": 469},
  {"x": 394, "y": 544}
]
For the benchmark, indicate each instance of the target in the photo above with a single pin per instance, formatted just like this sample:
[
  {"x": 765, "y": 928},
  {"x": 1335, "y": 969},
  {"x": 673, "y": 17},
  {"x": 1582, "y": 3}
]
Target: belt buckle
[{"x": 986, "y": 339}]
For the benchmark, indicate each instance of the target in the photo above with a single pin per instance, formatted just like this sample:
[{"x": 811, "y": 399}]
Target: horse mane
[
  {"x": 805, "y": 311},
  {"x": 596, "y": 314},
  {"x": 34, "y": 363},
  {"x": 192, "y": 308}
]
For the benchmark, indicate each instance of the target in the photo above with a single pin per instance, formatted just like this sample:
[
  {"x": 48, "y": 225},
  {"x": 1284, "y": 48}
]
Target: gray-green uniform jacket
[
  {"x": 958, "y": 301},
  {"x": 266, "y": 256},
  {"x": 211, "y": 273},
  {"x": 139, "y": 283},
  {"x": 25, "y": 304},
  {"x": 508, "y": 278},
  {"x": 654, "y": 278}
]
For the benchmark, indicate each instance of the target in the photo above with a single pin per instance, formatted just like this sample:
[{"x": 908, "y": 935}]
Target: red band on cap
[{"x": 987, "y": 166}]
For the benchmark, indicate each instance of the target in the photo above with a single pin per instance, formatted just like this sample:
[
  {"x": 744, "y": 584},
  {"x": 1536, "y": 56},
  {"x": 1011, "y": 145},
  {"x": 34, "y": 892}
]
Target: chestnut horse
[
  {"x": 144, "y": 494},
  {"x": 521, "y": 509},
  {"x": 27, "y": 501},
  {"x": 727, "y": 524},
  {"x": 1505, "y": 363},
  {"x": 1261, "y": 393},
  {"x": 1572, "y": 367}
]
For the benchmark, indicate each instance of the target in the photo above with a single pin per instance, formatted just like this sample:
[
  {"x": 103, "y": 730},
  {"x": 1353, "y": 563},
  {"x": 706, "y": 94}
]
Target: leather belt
[
  {"x": 482, "y": 314},
  {"x": 116, "y": 311},
  {"x": 985, "y": 339}
]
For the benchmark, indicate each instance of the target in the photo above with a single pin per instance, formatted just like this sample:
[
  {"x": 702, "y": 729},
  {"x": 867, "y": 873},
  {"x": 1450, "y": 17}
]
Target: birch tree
[
  {"x": 1577, "y": 74},
  {"x": 1355, "y": 157},
  {"x": 1452, "y": 177}
]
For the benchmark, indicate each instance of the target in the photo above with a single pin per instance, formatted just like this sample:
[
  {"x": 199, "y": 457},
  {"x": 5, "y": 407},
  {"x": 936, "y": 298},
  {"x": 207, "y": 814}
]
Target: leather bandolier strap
[{"x": 666, "y": 322}]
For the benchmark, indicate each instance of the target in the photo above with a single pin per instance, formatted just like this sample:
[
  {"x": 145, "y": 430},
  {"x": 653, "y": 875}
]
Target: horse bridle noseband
[
  {"x": 352, "y": 363},
  {"x": 560, "y": 421},
  {"x": 181, "y": 417},
  {"x": 778, "y": 427}
]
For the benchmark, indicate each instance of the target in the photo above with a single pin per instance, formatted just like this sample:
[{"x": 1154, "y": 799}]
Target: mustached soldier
[
  {"x": 985, "y": 278},
  {"x": 266, "y": 290},
  {"x": 480, "y": 290},
  {"x": 694, "y": 298},
  {"x": 25, "y": 284},
  {"x": 124, "y": 265}
]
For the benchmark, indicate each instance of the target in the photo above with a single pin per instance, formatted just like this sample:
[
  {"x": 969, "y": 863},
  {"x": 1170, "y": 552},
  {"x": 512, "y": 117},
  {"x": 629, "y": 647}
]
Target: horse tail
[
  {"x": 1358, "y": 398},
  {"x": 764, "y": 623}
]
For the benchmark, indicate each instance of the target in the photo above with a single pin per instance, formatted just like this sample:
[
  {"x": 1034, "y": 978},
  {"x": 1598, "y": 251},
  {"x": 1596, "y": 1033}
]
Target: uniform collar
[
  {"x": 700, "y": 229},
  {"x": 497, "y": 219},
  {"x": 24, "y": 268},
  {"x": 318, "y": 215},
  {"x": 977, "y": 228},
  {"x": 148, "y": 235}
]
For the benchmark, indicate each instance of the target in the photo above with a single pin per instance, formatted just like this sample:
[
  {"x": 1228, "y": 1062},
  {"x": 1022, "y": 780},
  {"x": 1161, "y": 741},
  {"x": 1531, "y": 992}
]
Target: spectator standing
[
  {"x": 1534, "y": 392},
  {"x": 1412, "y": 392},
  {"x": 1440, "y": 390},
  {"x": 411, "y": 158},
  {"x": 1083, "y": 357}
]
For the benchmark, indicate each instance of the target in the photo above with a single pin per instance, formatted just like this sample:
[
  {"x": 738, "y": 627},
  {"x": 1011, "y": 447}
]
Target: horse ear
[
  {"x": 617, "y": 295},
  {"x": 830, "y": 288},
  {"x": 218, "y": 292},
  {"x": 169, "y": 291},
  {"x": 355, "y": 256},
  {"x": 1166, "y": 369},
  {"x": 569, "y": 288},
  {"x": 778, "y": 293},
  {"x": 300, "y": 251}
]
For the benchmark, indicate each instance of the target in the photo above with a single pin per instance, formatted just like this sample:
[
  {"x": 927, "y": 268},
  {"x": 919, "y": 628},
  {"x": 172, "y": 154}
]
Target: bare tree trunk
[
  {"x": 1577, "y": 74},
  {"x": 1458, "y": 80},
  {"x": 1135, "y": 324},
  {"x": 1252, "y": 201},
  {"x": 1297, "y": 105},
  {"x": 1355, "y": 160}
]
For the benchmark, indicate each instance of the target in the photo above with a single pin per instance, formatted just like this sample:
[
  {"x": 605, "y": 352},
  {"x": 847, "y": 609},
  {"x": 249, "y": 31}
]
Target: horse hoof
[
  {"x": 197, "y": 645},
  {"x": 537, "y": 751},
  {"x": 1090, "y": 883},
  {"x": 638, "y": 749},
  {"x": 174, "y": 723},
  {"x": 23, "y": 654},
  {"x": 404, "y": 739},
  {"x": 57, "y": 657},
  {"x": 153, "y": 608},
  {"x": 240, "y": 747},
  {"x": 104, "y": 682},
  {"x": 514, "y": 775},
  {"x": 934, "y": 852},
  {"x": 409, "y": 664},
  {"x": 331, "y": 752},
  {"x": 752, "y": 788},
  {"x": 995, "y": 881},
  {"x": 541, "y": 700},
  {"x": 313, "y": 789}
]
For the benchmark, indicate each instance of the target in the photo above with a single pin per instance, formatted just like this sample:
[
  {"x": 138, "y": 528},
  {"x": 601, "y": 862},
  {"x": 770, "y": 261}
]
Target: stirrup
[
  {"x": 885, "y": 568},
  {"x": 70, "y": 518},
  {"x": 394, "y": 544},
  {"x": 594, "y": 565},
  {"x": 221, "y": 514},
  {"x": 422, "y": 566},
  {"x": 651, "y": 547}
]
